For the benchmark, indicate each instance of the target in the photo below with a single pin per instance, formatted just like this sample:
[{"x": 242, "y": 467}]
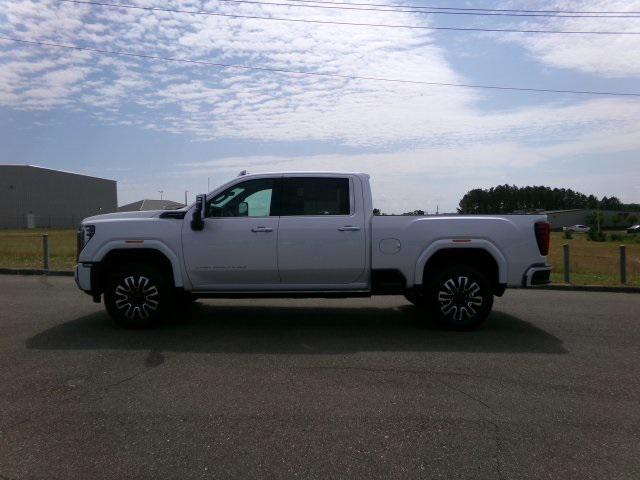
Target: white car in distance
[{"x": 576, "y": 229}]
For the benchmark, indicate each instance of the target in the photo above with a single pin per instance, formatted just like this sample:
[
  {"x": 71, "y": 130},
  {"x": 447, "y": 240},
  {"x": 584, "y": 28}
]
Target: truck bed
[{"x": 397, "y": 241}]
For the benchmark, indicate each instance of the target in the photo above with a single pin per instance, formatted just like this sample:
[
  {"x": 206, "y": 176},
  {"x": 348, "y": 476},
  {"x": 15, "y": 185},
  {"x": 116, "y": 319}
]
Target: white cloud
[
  {"x": 427, "y": 177},
  {"x": 604, "y": 55},
  {"x": 449, "y": 133},
  {"x": 214, "y": 103}
]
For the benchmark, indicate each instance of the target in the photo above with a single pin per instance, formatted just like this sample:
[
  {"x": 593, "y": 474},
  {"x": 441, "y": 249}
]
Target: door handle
[
  {"x": 348, "y": 228},
  {"x": 262, "y": 229}
]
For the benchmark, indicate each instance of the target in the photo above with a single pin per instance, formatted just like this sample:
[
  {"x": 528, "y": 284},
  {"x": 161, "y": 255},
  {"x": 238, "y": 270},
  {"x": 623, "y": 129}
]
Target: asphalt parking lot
[{"x": 357, "y": 388}]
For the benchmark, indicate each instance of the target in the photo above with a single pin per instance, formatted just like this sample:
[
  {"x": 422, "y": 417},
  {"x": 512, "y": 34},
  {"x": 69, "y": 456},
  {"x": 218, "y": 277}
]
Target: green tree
[{"x": 510, "y": 198}]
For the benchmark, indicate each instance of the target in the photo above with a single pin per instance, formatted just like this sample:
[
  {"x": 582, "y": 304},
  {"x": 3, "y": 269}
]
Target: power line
[
  {"x": 469, "y": 9},
  {"x": 353, "y": 24},
  {"x": 426, "y": 11},
  {"x": 318, "y": 74}
]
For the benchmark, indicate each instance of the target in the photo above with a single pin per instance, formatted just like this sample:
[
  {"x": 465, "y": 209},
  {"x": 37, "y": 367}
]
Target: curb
[
  {"x": 21, "y": 271},
  {"x": 587, "y": 288}
]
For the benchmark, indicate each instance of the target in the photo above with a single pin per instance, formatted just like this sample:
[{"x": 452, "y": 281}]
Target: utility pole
[
  {"x": 208, "y": 187},
  {"x": 185, "y": 196},
  {"x": 160, "y": 192}
]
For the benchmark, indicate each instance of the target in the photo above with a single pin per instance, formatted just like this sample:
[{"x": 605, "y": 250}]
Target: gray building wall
[
  {"x": 567, "y": 218},
  {"x": 56, "y": 199}
]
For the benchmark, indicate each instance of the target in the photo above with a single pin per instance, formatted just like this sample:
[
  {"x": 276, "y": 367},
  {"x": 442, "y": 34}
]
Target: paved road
[{"x": 361, "y": 388}]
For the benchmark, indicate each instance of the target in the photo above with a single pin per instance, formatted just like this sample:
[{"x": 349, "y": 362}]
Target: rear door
[{"x": 321, "y": 235}]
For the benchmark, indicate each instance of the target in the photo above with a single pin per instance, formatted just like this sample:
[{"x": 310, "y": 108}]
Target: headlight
[{"x": 85, "y": 234}]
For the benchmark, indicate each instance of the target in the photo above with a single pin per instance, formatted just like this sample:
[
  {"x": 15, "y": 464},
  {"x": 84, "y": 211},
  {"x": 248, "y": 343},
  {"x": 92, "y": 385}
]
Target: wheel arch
[
  {"x": 150, "y": 252},
  {"x": 480, "y": 253}
]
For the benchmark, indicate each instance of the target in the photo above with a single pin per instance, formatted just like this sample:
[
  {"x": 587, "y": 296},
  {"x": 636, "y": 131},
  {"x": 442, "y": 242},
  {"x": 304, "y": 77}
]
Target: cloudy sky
[{"x": 156, "y": 125}]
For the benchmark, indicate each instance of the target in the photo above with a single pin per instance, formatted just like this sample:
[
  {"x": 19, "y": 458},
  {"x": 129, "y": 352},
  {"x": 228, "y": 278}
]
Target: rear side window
[{"x": 314, "y": 196}]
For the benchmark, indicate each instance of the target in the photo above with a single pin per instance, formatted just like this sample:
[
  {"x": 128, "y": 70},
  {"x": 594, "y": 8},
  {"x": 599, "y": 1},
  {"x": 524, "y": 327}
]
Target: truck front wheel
[
  {"x": 136, "y": 295},
  {"x": 459, "y": 296}
]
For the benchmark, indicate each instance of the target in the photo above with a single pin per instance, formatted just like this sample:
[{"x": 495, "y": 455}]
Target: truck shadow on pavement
[{"x": 258, "y": 329}]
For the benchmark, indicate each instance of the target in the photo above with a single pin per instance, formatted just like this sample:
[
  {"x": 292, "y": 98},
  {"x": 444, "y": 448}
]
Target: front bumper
[
  {"x": 83, "y": 276},
  {"x": 537, "y": 275}
]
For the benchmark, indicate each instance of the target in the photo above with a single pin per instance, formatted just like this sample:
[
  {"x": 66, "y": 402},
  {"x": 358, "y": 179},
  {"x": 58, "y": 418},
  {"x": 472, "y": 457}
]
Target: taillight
[{"x": 543, "y": 235}]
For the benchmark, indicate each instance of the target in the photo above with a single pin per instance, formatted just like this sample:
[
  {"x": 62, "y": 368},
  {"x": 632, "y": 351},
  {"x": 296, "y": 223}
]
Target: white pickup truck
[{"x": 305, "y": 235}]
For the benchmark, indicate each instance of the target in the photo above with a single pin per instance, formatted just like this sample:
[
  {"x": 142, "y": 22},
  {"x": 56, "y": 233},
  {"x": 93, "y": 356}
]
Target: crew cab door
[
  {"x": 321, "y": 237},
  {"x": 237, "y": 249}
]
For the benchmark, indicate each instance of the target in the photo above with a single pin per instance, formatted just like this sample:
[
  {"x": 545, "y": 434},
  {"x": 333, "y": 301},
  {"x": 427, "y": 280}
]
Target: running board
[{"x": 283, "y": 294}]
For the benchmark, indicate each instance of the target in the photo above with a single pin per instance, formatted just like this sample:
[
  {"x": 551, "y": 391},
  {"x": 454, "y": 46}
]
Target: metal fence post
[
  {"x": 567, "y": 274},
  {"x": 623, "y": 264},
  {"x": 45, "y": 251}
]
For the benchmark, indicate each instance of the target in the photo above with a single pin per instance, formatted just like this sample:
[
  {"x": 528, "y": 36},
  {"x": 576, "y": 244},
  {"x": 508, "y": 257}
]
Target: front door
[
  {"x": 237, "y": 249},
  {"x": 321, "y": 237}
]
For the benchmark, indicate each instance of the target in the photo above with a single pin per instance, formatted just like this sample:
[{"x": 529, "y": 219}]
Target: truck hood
[{"x": 124, "y": 215}]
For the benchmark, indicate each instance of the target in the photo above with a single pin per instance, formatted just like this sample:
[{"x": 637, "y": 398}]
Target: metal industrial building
[
  {"x": 43, "y": 198},
  {"x": 579, "y": 216}
]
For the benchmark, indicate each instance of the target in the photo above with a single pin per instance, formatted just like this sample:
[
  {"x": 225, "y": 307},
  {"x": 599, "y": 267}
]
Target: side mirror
[
  {"x": 197, "y": 222},
  {"x": 243, "y": 209}
]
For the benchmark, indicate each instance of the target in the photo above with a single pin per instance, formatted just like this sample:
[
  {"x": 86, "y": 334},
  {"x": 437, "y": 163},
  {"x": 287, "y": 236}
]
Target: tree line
[
  {"x": 509, "y": 199},
  {"x": 415, "y": 213}
]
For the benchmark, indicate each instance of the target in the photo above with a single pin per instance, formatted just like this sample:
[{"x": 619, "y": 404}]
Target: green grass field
[
  {"x": 23, "y": 249},
  {"x": 592, "y": 263}
]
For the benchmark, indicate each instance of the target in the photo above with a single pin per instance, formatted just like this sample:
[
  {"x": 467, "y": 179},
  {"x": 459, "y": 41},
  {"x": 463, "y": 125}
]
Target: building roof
[
  {"x": 150, "y": 204},
  {"x": 26, "y": 166},
  {"x": 564, "y": 211}
]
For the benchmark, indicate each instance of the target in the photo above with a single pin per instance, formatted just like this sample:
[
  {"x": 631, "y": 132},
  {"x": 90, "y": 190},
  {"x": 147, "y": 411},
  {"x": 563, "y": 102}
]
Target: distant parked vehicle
[
  {"x": 634, "y": 229},
  {"x": 576, "y": 229}
]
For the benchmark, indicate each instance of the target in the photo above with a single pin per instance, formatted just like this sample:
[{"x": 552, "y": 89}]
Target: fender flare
[
  {"x": 147, "y": 245},
  {"x": 442, "y": 244}
]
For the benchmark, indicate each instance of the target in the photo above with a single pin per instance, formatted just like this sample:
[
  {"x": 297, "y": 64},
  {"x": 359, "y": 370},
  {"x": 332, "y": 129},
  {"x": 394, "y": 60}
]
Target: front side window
[
  {"x": 247, "y": 199},
  {"x": 315, "y": 196}
]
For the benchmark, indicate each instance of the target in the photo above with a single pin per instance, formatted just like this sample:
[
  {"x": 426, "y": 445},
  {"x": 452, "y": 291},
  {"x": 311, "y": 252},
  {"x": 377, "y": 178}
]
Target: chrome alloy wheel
[
  {"x": 459, "y": 296},
  {"x": 136, "y": 297}
]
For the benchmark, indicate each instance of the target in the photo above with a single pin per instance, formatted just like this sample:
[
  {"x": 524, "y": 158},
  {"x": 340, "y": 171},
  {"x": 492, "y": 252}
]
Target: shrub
[
  {"x": 617, "y": 237},
  {"x": 568, "y": 235},
  {"x": 597, "y": 236}
]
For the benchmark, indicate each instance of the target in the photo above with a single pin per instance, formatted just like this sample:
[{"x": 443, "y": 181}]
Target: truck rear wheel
[
  {"x": 136, "y": 295},
  {"x": 459, "y": 296}
]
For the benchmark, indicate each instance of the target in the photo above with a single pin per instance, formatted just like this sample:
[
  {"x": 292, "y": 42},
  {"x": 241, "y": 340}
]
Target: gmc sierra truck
[{"x": 305, "y": 235}]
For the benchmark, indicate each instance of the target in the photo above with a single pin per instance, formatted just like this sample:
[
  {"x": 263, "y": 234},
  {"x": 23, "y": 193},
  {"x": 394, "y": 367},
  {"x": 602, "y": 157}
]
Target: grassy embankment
[{"x": 592, "y": 263}]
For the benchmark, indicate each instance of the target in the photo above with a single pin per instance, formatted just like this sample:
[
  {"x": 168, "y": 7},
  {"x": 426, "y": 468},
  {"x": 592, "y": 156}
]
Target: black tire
[
  {"x": 460, "y": 297},
  {"x": 137, "y": 295}
]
